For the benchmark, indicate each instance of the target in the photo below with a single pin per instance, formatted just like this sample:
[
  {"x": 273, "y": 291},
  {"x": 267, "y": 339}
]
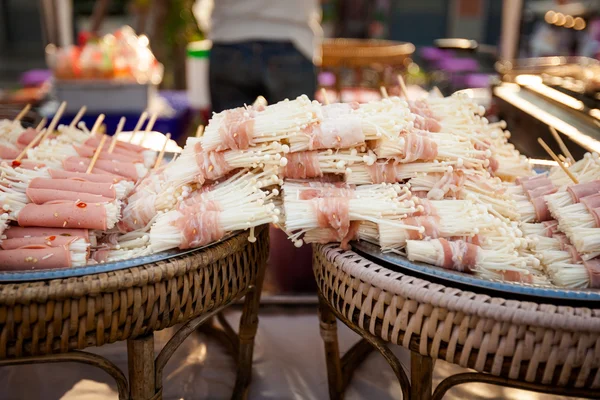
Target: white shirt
[{"x": 295, "y": 20}]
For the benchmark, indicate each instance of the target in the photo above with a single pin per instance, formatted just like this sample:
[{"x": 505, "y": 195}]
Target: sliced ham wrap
[
  {"x": 100, "y": 178},
  {"x": 21, "y": 232},
  {"x": 68, "y": 214},
  {"x": 75, "y": 185},
  {"x": 35, "y": 257},
  {"x": 88, "y": 152},
  {"x": 41, "y": 196},
  {"x": 133, "y": 171}
]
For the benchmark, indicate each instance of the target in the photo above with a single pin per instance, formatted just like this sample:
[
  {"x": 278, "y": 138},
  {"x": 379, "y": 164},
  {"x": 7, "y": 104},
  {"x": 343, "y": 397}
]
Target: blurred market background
[
  {"x": 494, "y": 30},
  {"x": 532, "y": 63}
]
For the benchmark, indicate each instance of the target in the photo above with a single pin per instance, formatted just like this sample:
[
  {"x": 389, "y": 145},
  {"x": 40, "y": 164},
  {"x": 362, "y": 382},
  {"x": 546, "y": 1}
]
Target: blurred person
[
  {"x": 263, "y": 48},
  {"x": 267, "y": 48}
]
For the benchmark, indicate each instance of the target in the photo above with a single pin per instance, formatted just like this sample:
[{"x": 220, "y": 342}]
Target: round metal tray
[
  {"x": 60, "y": 273},
  {"x": 475, "y": 283}
]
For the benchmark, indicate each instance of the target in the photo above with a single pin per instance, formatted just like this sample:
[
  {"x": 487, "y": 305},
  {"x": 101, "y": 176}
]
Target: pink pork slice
[
  {"x": 64, "y": 214},
  {"x": 8, "y": 152},
  {"x": 593, "y": 269},
  {"x": 27, "y": 136},
  {"x": 75, "y": 185},
  {"x": 88, "y": 152},
  {"x": 583, "y": 190},
  {"x": 79, "y": 164},
  {"x": 50, "y": 241},
  {"x": 94, "y": 141},
  {"x": 25, "y": 164},
  {"x": 41, "y": 196},
  {"x": 35, "y": 257},
  {"x": 100, "y": 178}
]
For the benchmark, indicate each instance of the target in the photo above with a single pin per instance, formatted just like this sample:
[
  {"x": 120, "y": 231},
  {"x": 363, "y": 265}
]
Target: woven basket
[
  {"x": 61, "y": 315},
  {"x": 362, "y": 53},
  {"x": 538, "y": 343}
]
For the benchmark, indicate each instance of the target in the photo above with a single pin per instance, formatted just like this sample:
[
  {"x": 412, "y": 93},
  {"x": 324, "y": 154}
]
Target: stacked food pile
[
  {"x": 431, "y": 178},
  {"x": 61, "y": 190}
]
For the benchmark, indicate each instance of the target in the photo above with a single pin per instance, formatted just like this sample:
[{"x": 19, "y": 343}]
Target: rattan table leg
[
  {"x": 79, "y": 357},
  {"x": 247, "y": 333},
  {"x": 140, "y": 361},
  {"x": 421, "y": 376},
  {"x": 328, "y": 327}
]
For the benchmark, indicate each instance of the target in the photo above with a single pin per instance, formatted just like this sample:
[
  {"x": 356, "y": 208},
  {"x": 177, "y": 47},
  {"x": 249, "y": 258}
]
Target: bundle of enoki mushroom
[
  {"x": 207, "y": 217},
  {"x": 460, "y": 116},
  {"x": 566, "y": 238}
]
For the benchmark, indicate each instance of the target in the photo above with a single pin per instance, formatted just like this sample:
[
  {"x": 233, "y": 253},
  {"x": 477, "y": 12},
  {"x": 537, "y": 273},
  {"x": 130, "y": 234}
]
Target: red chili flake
[
  {"x": 51, "y": 238},
  {"x": 81, "y": 205},
  {"x": 16, "y": 163}
]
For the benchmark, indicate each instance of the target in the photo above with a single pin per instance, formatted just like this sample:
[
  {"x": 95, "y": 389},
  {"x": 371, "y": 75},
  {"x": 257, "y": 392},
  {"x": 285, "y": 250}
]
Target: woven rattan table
[
  {"x": 52, "y": 321},
  {"x": 526, "y": 345}
]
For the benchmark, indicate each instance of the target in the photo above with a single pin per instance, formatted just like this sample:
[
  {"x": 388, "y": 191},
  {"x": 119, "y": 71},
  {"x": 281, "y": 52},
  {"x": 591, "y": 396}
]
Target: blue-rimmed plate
[
  {"x": 60, "y": 273},
  {"x": 510, "y": 290}
]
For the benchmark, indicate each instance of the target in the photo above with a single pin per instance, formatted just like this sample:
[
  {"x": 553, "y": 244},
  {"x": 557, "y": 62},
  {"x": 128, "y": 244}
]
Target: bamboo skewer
[
  {"x": 96, "y": 155},
  {"x": 78, "y": 116},
  {"x": 21, "y": 114},
  {"x": 555, "y": 158},
  {"x": 138, "y": 126},
  {"x": 562, "y": 145},
  {"x": 162, "y": 152},
  {"x": 97, "y": 124},
  {"x": 325, "y": 97},
  {"x": 148, "y": 127},
  {"x": 41, "y": 124},
  {"x": 384, "y": 92},
  {"x": 55, "y": 120},
  {"x": 40, "y": 136},
  {"x": 403, "y": 86},
  {"x": 115, "y": 137},
  {"x": 199, "y": 131}
]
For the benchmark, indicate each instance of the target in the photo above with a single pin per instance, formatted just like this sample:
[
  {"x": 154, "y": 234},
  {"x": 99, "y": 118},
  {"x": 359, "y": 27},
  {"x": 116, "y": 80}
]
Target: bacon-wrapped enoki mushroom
[
  {"x": 587, "y": 169},
  {"x": 198, "y": 165},
  {"x": 584, "y": 214},
  {"x": 424, "y": 146},
  {"x": 314, "y": 164},
  {"x": 465, "y": 184},
  {"x": 204, "y": 222},
  {"x": 335, "y": 208},
  {"x": 572, "y": 195},
  {"x": 390, "y": 172},
  {"x": 465, "y": 120},
  {"x": 439, "y": 219},
  {"x": 244, "y": 127},
  {"x": 466, "y": 257},
  {"x": 342, "y": 126},
  {"x": 140, "y": 211}
]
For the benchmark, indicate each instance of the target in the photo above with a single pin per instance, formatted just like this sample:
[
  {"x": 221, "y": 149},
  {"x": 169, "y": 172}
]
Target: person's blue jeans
[{"x": 240, "y": 72}]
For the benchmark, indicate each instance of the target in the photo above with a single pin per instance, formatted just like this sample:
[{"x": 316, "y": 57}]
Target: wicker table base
[
  {"x": 538, "y": 347},
  {"x": 52, "y": 321}
]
